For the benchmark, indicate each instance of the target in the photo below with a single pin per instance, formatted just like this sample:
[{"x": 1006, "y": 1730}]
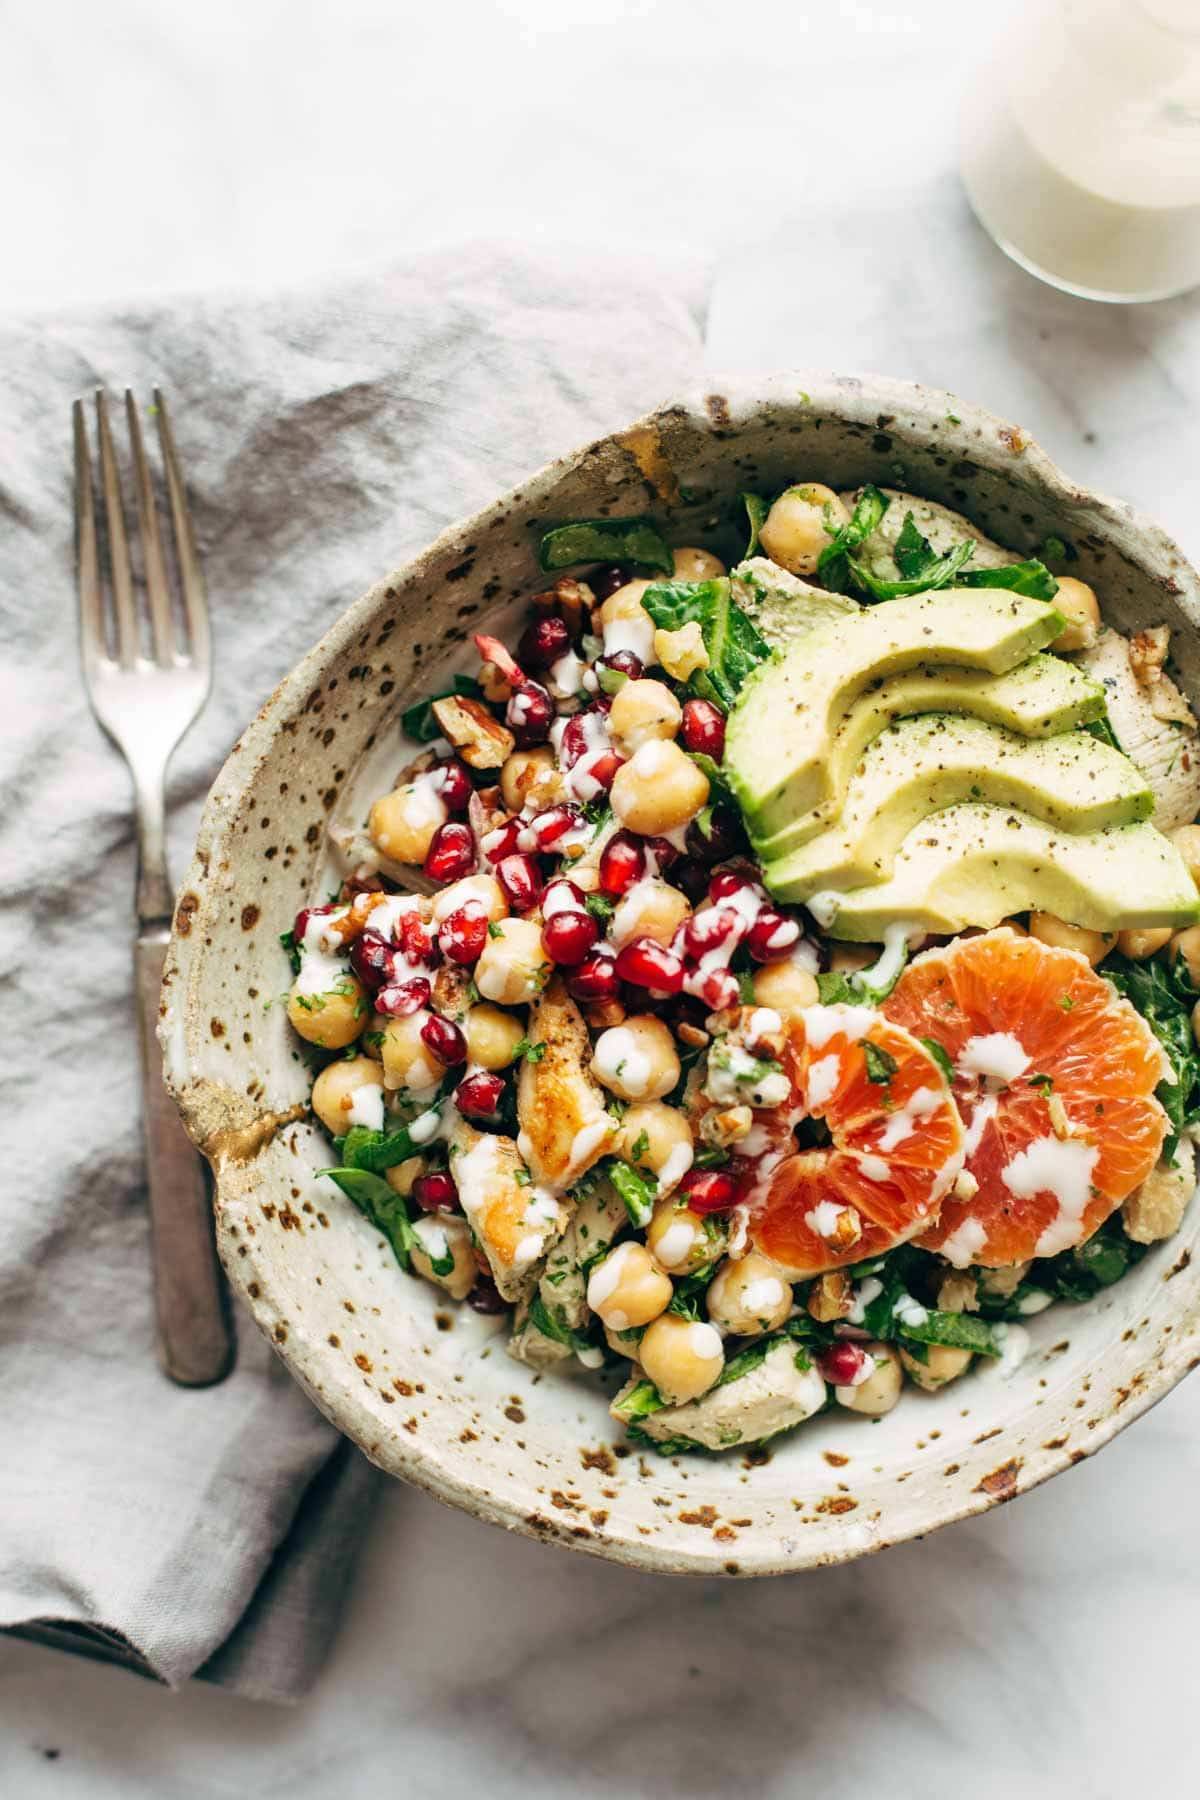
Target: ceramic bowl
[{"x": 425, "y": 1387}]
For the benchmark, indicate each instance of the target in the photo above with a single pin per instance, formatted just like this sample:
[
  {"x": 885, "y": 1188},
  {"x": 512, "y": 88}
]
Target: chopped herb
[
  {"x": 288, "y": 940},
  {"x": 881, "y": 1064},
  {"x": 833, "y": 564},
  {"x": 597, "y": 812},
  {"x": 641, "y": 1400},
  {"x": 522, "y": 1177},
  {"x": 641, "y": 1144},
  {"x": 756, "y": 516},
  {"x": 529, "y": 1052},
  {"x": 1055, "y": 549},
  {"x": 1102, "y": 729},
  {"x": 638, "y": 1191},
  {"x": 958, "y": 1331},
  {"x": 1065, "y": 1002},
  {"x": 1165, "y": 999},
  {"x": 632, "y": 540},
  {"x": 750, "y": 1358},
  {"x": 419, "y": 722},
  {"x": 732, "y": 641},
  {"x": 711, "y": 1157},
  {"x": 495, "y": 929},
  {"x": 600, "y": 906},
  {"x": 941, "y": 1057},
  {"x": 1043, "y": 1083}
]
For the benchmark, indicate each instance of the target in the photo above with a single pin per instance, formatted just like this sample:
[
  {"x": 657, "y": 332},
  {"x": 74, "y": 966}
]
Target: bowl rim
[{"x": 725, "y": 405}]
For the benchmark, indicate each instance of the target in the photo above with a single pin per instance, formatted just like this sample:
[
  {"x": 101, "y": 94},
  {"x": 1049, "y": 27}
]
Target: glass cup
[{"x": 1080, "y": 146}]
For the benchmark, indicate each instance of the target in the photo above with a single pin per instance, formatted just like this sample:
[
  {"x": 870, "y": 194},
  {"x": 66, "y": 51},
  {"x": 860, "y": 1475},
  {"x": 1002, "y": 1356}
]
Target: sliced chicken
[
  {"x": 514, "y": 1221},
  {"x": 939, "y": 524},
  {"x": 1165, "y": 748},
  {"x": 560, "y": 1107}
]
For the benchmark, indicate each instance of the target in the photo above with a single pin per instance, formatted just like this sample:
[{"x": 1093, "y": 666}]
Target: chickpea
[
  {"x": 513, "y": 967},
  {"x": 943, "y": 1366},
  {"x": 492, "y": 1036},
  {"x": 334, "y": 1090},
  {"x": 407, "y": 1064},
  {"x": 530, "y": 775},
  {"x": 659, "y": 789},
  {"x": 880, "y": 1391},
  {"x": 624, "y": 623},
  {"x": 1186, "y": 839},
  {"x": 628, "y": 1288},
  {"x": 401, "y": 1176},
  {"x": 1185, "y": 946},
  {"x": 636, "y": 1060},
  {"x": 333, "y": 1019},
  {"x": 1048, "y": 929},
  {"x": 652, "y": 909},
  {"x": 1077, "y": 603},
  {"x": 437, "y": 1238},
  {"x": 1002, "y": 1283},
  {"x": 682, "y": 1357},
  {"x": 403, "y": 823},
  {"x": 625, "y": 603},
  {"x": 785, "y": 987},
  {"x": 656, "y": 1137},
  {"x": 641, "y": 712},
  {"x": 484, "y": 888},
  {"x": 679, "y": 1239},
  {"x": 696, "y": 565},
  {"x": 1138, "y": 945},
  {"x": 748, "y": 1296},
  {"x": 800, "y": 524}
]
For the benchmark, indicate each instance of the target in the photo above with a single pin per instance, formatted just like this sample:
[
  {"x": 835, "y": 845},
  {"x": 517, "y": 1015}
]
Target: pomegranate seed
[
  {"x": 705, "y": 930},
  {"x": 521, "y": 880},
  {"x": 503, "y": 841},
  {"x": 622, "y": 862},
  {"x": 625, "y": 663},
  {"x": 407, "y": 997},
  {"x": 485, "y": 1296},
  {"x": 728, "y": 882},
  {"x": 723, "y": 837},
  {"x": 841, "y": 1363},
  {"x": 703, "y": 728},
  {"x": 530, "y": 714},
  {"x": 562, "y": 896},
  {"x": 451, "y": 854},
  {"x": 772, "y": 935},
  {"x": 373, "y": 960},
  {"x": 479, "y": 1095},
  {"x": 545, "y": 828},
  {"x": 445, "y": 1040},
  {"x": 662, "y": 853},
  {"x": 305, "y": 917},
  {"x": 650, "y": 965},
  {"x": 691, "y": 877},
  {"x": 464, "y": 933},
  {"x": 415, "y": 940},
  {"x": 717, "y": 988},
  {"x": 596, "y": 978},
  {"x": 604, "y": 770},
  {"x": 436, "y": 1192},
  {"x": 544, "y": 641},
  {"x": 498, "y": 654},
  {"x": 452, "y": 784},
  {"x": 568, "y": 936},
  {"x": 708, "y": 1190},
  {"x": 607, "y": 580}
]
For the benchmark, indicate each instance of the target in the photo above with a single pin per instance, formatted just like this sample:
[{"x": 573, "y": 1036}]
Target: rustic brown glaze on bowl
[{"x": 426, "y": 1387}]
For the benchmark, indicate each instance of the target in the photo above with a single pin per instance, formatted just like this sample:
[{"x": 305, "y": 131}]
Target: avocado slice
[
  {"x": 1038, "y": 699},
  {"x": 789, "y": 711},
  {"x": 922, "y": 766},
  {"x": 977, "y": 864},
  {"x": 781, "y": 605}
]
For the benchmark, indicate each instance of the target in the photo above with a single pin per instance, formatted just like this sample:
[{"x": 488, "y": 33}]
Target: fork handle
[{"x": 195, "y": 1336}]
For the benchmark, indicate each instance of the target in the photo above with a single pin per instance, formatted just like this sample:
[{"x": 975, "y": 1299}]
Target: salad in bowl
[{"x": 771, "y": 984}]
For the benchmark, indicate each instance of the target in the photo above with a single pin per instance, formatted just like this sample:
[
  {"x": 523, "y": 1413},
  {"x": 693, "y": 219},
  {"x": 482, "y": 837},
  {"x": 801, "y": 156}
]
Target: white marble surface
[{"x": 1045, "y": 1650}]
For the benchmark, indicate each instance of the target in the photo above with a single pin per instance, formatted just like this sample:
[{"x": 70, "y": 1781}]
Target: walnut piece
[{"x": 480, "y": 740}]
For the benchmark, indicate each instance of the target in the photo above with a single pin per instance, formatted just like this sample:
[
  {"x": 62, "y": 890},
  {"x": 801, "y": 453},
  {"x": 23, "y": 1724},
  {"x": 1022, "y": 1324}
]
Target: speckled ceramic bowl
[{"x": 425, "y": 1387}]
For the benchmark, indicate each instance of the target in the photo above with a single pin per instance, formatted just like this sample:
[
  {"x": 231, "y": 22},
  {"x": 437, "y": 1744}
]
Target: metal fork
[{"x": 147, "y": 671}]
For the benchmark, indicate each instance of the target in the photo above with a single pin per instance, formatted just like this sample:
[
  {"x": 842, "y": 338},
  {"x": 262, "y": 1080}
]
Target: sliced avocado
[
  {"x": 921, "y": 766},
  {"x": 1041, "y": 697},
  {"x": 784, "y": 607},
  {"x": 977, "y": 864},
  {"x": 789, "y": 711}
]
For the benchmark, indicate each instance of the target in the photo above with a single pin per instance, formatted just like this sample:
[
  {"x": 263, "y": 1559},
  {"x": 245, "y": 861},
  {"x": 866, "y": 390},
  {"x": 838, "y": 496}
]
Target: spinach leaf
[
  {"x": 382, "y": 1205},
  {"x": 1165, "y": 1000},
  {"x": 638, "y": 1191},
  {"x": 939, "y": 573},
  {"x": 961, "y": 1331},
  {"x": 1100, "y": 728},
  {"x": 690, "y": 1290},
  {"x": 833, "y": 564},
  {"x": 639, "y": 1402},
  {"x": 676, "y": 1446},
  {"x": 636, "y": 540},
  {"x": 914, "y": 552},
  {"x": 375, "y": 1151},
  {"x": 733, "y": 643},
  {"x": 750, "y": 1358},
  {"x": 548, "y": 1321},
  {"x": 1030, "y": 577},
  {"x": 418, "y": 720},
  {"x": 1080, "y": 1274},
  {"x": 756, "y": 516}
]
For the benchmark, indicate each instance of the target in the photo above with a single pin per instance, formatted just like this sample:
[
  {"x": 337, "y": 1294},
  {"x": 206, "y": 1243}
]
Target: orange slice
[
  {"x": 897, "y": 1144},
  {"x": 1054, "y": 1075}
]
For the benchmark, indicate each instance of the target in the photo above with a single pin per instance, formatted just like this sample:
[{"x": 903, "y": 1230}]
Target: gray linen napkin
[{"x": 326, "y": 437}]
